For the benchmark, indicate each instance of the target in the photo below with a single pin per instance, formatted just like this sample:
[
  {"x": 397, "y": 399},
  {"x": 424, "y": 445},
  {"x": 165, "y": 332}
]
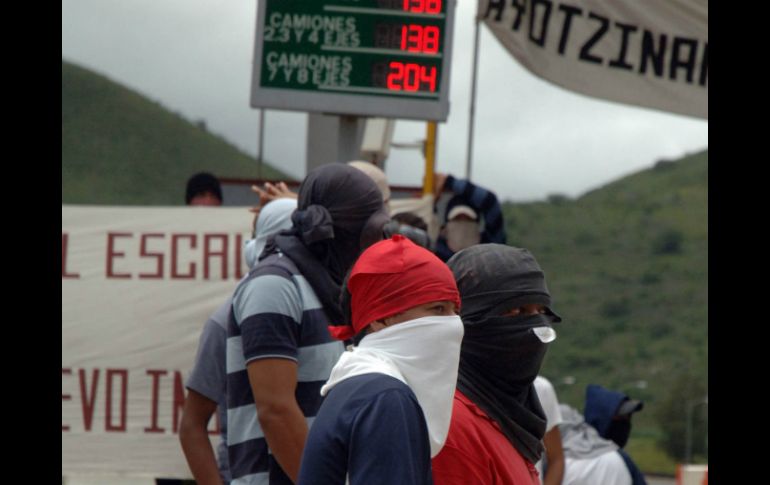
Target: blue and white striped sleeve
[{"x": 268, "y": 311}]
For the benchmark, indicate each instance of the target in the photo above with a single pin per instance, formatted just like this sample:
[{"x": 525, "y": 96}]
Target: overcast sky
[{"x": 532, "y": 137}]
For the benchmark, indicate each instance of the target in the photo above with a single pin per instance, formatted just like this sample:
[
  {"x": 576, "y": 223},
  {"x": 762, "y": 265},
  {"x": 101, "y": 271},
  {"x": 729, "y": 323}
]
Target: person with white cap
[
  {"x": 497, "y": 422},
  {"x": 464, "y": 213},
  {"x": 389, "y": 399}
]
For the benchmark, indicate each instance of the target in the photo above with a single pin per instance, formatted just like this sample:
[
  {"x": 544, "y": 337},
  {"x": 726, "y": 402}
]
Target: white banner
[
  {"x": 652, "y": 53},
  {"x": 137, "y": 287}
]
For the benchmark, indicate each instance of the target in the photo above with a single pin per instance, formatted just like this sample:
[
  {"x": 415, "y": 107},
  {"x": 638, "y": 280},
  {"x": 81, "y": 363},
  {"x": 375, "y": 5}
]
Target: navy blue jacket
[
  {"x": 372, "y": 429},
  {"x": 601, "y": 405}
]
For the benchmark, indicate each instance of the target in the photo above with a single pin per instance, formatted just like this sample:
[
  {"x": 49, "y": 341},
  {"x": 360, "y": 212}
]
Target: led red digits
[
  {"x": 395, "y": 76},
  {"x": 422, "y": 6},
  {"x": 411, "y": 77},
  {"x": 430, "y": 39},
  {"x": 418, "y": 38},
  {"x": 429, "y": 77}
]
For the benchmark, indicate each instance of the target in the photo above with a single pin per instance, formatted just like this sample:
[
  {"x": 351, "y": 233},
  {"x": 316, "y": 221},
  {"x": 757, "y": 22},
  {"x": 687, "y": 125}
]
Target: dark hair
[
  {"x": 416, "y": 235},
  {"x": 411, "y": 220},
  {"x": 345, "y": 301},
  {"x": 200, "y": 183}
]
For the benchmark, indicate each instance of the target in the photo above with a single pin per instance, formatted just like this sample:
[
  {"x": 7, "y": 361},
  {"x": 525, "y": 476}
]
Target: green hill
[
  {"x": 120, "y": 148},
  {"x": 627, "y": 265}
]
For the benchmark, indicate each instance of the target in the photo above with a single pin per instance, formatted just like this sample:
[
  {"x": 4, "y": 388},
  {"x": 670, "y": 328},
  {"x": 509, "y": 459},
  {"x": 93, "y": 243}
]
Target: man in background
[
  {"x": 610, "y": 413},
  {"x": 463, "y": 216},
  {"x": 203, "y": 189},
  {"x": 593, "y": 445}
]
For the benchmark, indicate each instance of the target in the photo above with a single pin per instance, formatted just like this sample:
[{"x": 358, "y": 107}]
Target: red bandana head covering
[{"x": 391, "y": 277}]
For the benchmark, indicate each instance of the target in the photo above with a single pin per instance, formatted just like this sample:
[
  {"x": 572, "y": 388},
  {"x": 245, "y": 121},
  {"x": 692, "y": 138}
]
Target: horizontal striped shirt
[{"x": 275, "y": 314}]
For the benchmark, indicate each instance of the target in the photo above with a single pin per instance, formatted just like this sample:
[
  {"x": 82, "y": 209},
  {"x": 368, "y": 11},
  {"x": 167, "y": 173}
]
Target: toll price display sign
[{"x": 386, "y": 58}]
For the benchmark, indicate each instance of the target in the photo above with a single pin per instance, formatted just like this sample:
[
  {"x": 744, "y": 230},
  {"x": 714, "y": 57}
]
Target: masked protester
[
  {"x": 610, "y": 413},
  {"x": 497, "y": 422},
  {"x": 388, "y": 401},
  {"x": 279, "y": 351},
  {"x": 273, "y": 218}
]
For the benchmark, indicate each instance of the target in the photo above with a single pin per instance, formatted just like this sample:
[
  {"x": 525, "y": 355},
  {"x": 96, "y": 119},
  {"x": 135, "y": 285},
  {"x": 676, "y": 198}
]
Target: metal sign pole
[
  {"x": 332, "y": 138},
  {"x": 261, "y": 141},
  {"x": 473, "y": 97}
]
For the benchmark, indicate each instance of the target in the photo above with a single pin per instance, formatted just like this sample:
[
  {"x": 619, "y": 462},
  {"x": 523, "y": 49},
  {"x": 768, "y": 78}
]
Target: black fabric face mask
[
  {"x": 506, "y": 349},
  {"x": 499, "y": 360},
  {"x": 618, "y": 431}
]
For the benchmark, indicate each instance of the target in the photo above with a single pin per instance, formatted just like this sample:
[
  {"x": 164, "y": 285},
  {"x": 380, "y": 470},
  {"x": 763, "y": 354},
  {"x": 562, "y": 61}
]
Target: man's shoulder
[
  {"x": 277, "y": 270},
  {"x": 468, "y": 420},
  {"x": 218, "y": 320},
  {"x": 276, "y": 264},
  {"x": 275, "y": 279},
  {"x": 373, "y": 384},
  {"x": 544, "y": 388},
  {"x": 372, "y": 403},
  {"x": 367, "y": 389}
]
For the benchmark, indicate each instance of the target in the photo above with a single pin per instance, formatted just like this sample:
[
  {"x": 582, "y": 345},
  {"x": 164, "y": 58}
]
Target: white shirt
[
  {"x": 547, "y": 396},
  {"x": 606, "y": 469}
]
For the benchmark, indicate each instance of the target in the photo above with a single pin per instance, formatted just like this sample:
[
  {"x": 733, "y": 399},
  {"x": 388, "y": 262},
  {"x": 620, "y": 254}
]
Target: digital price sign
[{"x": 388, "y": 58}]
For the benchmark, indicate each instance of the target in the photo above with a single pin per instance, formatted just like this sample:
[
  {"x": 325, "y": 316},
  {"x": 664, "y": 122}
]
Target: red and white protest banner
[{"x": 137, "y": 287}]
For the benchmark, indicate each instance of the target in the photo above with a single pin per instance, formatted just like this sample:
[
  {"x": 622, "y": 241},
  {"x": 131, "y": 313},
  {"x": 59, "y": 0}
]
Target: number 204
[{"x": 410, "y": 77}]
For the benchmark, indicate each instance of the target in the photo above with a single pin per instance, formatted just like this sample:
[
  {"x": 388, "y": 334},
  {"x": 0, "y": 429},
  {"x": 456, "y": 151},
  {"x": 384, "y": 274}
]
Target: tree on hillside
[{"x": 685, "y": 399}]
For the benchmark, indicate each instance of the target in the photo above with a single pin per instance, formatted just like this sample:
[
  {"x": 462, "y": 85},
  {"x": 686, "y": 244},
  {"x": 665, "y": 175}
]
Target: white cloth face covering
[{"x": 424, "y": 354}]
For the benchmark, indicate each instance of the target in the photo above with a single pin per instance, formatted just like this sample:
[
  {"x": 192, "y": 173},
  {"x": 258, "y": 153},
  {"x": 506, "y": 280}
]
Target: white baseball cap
[{"x": 462, "y": 210}]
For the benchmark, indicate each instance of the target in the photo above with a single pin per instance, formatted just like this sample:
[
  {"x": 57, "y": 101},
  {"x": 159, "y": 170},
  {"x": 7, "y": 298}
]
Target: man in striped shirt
[{"x": 279, "y": 350}]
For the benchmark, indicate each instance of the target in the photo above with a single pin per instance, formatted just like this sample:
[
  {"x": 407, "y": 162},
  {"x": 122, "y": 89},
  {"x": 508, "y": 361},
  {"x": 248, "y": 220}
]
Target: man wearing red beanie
[{"x": 389, "y": 400}]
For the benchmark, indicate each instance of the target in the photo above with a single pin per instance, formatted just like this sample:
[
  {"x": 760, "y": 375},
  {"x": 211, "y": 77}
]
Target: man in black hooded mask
[
  {"x": 279, "y": 350},
  {"x": 497, "y": 421}
]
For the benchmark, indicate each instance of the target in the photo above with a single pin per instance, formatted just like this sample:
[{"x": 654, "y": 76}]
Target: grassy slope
[
  {"x": 632, "y": 309},
  {"x": 118, "y": 147}
]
